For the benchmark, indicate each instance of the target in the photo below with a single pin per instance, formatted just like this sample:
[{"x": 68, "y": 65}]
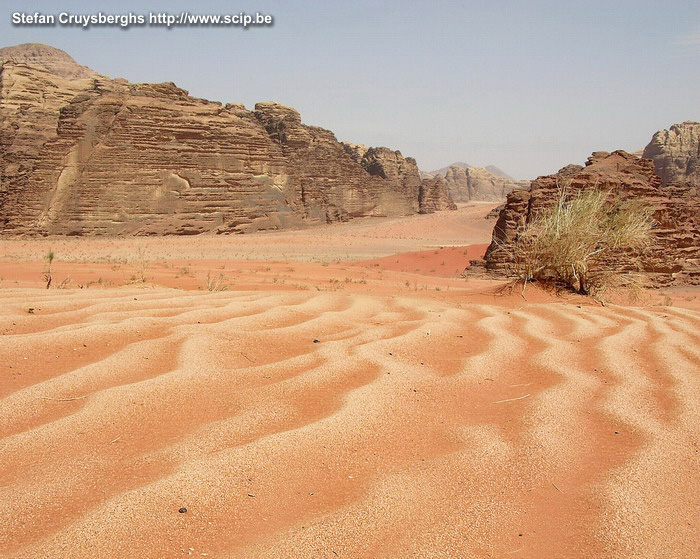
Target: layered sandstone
[
  {"x": 674, "y": 256},
  {"x": 676, "y": 153},
  {"x": 85, "y": 154},
  {"x": 434, "y": 196},
  {"x": 389, "y": 165},
  {"x": 49, "y": 58}
]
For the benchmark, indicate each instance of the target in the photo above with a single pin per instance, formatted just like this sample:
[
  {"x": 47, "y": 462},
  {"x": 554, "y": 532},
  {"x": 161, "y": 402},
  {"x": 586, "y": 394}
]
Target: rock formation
[
  {"x": 434, "y": 197},
  {"x": 676, "y": 154},
  {"x": 387, "y": 164},
  {"x": 51, "y": 59},
  {"x": 478, "y": 184},
  {"x": 443, "y": 171},
  {"x": 466, "y": 182},
  {"x": 674, "y": 256},
  {"x": 84, "y": 154},
  {"x": 495, "y": 212}
]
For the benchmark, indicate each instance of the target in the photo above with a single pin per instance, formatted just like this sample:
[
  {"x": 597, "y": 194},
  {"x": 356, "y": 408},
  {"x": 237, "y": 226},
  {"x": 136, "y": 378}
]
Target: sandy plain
[{"x": 337, "y": 392}]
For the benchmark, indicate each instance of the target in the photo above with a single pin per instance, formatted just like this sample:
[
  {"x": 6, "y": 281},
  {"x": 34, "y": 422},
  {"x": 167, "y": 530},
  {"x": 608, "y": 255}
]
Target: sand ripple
[{"x": 416, "y": 426}]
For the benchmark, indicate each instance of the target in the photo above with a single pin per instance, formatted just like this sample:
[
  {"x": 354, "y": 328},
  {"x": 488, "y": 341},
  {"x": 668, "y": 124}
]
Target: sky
[{"x": 528, "y": 86}]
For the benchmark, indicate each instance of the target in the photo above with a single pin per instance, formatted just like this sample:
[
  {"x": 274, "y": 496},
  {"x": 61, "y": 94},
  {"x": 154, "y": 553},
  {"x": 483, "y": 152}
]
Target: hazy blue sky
[{"x": 526, "y": 85}]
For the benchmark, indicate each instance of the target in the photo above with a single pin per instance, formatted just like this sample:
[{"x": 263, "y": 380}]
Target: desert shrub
[
  {"x": 47, "y": 276},
  {"x": 588, "y": 242},
  {"x": 140, "y": 264},
  {"x": 216, "y": 284}
]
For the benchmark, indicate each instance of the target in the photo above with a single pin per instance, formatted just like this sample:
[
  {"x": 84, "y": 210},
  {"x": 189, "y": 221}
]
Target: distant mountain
[
  {"x": 466, "y": 182},
  {"x": 479, "y": 184},
  {"x": 490, "y": 168},
  {"x": 497, "y": 172},
  {"x": 444, "y": 170}
]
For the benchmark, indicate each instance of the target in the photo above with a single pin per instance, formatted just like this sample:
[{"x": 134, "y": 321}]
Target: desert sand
[{"x": 337, "y": 392}]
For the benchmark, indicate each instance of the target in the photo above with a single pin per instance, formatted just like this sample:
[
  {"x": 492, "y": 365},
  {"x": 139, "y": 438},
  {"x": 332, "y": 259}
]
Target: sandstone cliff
[
  {"x": 432, "y": 191},
  {"x": 84, "y": 154},
  {"x": 676, "y": 153},
  {"x": 434, "y": 197},
  {"x": 674, "y": 256}
]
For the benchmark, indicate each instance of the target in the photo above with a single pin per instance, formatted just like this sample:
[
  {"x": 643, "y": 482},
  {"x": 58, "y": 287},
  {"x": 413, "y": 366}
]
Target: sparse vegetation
[
  {"x": 216, "y": 284},
  {"x": 575, "y": 243},
  {"x": 140, "y": 265},
  {"x": 47, "y": 269}
]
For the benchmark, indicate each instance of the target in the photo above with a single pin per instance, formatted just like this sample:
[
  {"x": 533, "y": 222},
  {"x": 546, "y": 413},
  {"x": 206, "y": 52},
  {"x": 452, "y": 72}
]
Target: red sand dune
[{"x": 441, "y": 262}]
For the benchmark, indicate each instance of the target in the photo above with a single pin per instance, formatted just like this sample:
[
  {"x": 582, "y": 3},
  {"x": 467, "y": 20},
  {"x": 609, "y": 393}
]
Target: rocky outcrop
[
  {"x": 674, "y": 256},
  {"x": 356, "y": 151},
  {"x": 50, "y": 59},
  {"x": 495, "y": 212},
  {"x": 85, "y": 154},
  {"x": 676, "y": 154},
  {"x": 478, "y": 184},
  {"x": 434, "y": 197}
]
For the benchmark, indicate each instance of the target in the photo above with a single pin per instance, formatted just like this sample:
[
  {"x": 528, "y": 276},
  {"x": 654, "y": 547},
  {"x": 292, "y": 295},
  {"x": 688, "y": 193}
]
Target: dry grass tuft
[
  {"x": 587, "y": 242},
  {"x": 216, "y": 284}
]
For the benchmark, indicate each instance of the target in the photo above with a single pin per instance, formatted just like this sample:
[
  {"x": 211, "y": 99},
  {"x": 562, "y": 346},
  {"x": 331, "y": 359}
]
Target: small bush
[
  {"x": 48, "y": 278},
  {"x": 216, "y": 284},
  {"x": 586, "y": 242},
  {"x": 140, "y": 265}
]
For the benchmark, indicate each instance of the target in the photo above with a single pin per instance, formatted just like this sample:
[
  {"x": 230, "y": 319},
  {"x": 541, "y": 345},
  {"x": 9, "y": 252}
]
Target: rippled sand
[{"x": 419, "y": 425}]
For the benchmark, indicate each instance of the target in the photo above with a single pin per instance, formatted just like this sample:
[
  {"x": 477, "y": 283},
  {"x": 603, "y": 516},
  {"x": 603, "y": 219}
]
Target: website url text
[{"x": 152, "y": 19}]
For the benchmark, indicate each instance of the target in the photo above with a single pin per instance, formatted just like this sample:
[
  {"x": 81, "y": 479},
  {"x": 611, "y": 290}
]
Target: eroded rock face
[
  {"x": 85, "y": 154},
  {"x": 674, "y": 257},
  {"x": 495, "y": 213},
  {"x": 478, "y": 184},
  {"x": 53, "y": 60},
  {"x": 676, "y": 153},
  {"x": 390, "y": 165},
  {"x": 434, "y": 197}
]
